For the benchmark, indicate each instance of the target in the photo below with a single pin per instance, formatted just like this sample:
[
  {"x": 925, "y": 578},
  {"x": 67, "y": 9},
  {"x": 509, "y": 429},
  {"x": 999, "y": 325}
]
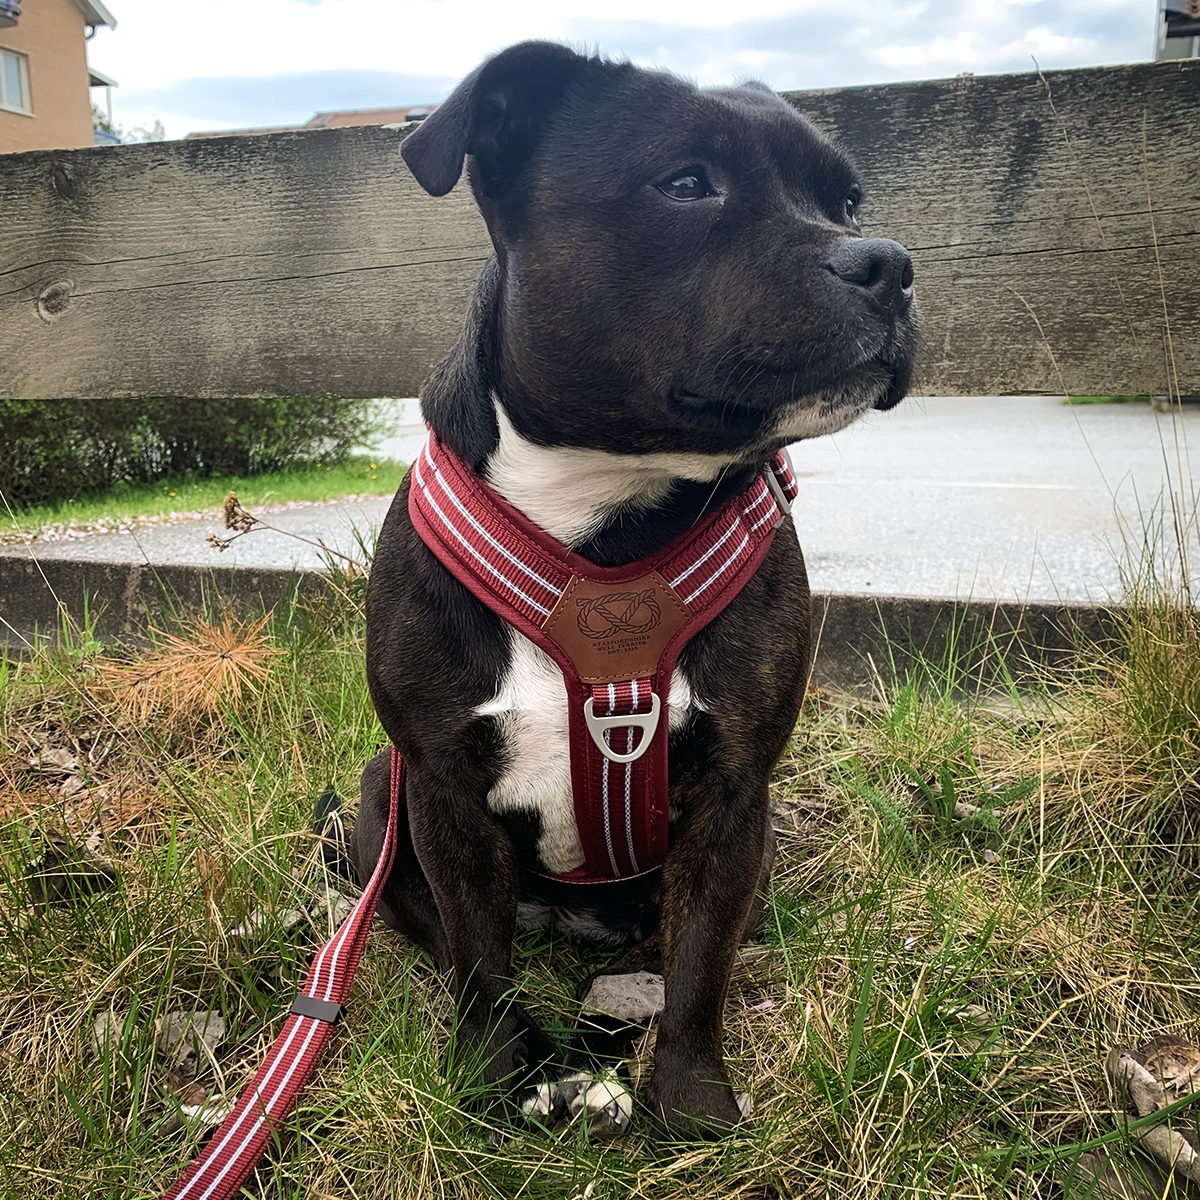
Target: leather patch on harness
[{"x": 616, "y": 631}]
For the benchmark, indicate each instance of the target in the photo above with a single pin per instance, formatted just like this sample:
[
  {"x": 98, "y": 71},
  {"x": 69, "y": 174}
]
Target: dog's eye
[
  {"x": 852, "y": 202},
  {"x": 689, "y": 186}
]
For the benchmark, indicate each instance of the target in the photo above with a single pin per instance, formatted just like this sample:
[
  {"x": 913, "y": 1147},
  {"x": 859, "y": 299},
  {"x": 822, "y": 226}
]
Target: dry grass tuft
[{"x": 193, "y": 674}]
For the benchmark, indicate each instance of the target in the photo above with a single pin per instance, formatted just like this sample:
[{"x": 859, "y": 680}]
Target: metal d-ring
[
  {"x": 781, "y": 500},
  {"x": 646, "y": 722}
]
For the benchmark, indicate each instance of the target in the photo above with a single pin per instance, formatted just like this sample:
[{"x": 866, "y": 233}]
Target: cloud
[
  {"x": 286, "y": 59},
  {"x": 861, "y": 41},
  {"x": 286, "y": 99}
]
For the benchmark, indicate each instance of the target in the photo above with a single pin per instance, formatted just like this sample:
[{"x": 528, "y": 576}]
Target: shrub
[{"x": 51, "y": 450}]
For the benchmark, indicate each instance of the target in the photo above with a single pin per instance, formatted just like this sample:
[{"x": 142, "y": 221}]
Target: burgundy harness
[{"x": 615, "y": 633}]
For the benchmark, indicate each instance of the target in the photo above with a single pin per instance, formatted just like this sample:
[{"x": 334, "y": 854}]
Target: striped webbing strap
[
  {"x": 618, "y": 772},
  {"x": 227, "y": 1160}
]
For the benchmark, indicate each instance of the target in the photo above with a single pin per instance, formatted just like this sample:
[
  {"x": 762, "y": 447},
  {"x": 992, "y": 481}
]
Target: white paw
[
  {"x": 606, "y": 1105},
  {"x": 745, "y": 1105},
  {"x": 601, "y": 1102},
  {"x": 540, "y": 1103}
]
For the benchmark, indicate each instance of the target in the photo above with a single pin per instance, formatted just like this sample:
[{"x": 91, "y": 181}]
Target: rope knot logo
[{"x": 606, "y": 616}]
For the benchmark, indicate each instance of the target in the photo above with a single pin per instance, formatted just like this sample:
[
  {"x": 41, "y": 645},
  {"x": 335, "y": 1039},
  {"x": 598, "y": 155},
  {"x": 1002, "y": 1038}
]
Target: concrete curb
[
  {"x": 121, "y": 600},
  {"x": 859, "y": 637},
  {"x": 949, "y": 642}
]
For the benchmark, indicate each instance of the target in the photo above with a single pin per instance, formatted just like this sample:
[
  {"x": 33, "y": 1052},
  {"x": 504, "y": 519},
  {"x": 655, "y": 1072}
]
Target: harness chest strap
[{"x": 615, "y": 633}]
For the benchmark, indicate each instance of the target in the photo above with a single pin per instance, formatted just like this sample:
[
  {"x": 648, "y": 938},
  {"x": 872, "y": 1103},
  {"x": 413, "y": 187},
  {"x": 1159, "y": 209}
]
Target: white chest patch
[
  {"x": 571, "y": 492},
  {"x": 531, "y": 705}
]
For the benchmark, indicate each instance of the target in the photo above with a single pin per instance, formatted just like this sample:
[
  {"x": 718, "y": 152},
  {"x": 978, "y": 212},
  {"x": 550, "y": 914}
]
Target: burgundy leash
[{"x": 232, "y": 1152}]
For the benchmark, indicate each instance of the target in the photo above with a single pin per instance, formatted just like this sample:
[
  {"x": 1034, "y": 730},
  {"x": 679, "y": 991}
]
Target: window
[{"x": 14, "y": 81}]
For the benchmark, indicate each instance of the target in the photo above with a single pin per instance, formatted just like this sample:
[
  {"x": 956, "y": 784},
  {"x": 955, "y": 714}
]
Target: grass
[
  {"x": 929, "y": 1012},
  {"x": 128, "y": 504}
]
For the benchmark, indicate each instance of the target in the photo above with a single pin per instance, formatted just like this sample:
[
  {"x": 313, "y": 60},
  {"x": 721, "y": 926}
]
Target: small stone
[
  {"x": 106, "y": 1032},
  {"x": 182, "y": 1036},
  {"x": 332, "y": 909},
  {"x": 638, "y": 997}
]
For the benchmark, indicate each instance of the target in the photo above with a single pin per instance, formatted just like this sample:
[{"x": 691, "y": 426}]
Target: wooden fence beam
[
  {"x": 1054, "y": 222},
  {"x": 311, "y": 264}
]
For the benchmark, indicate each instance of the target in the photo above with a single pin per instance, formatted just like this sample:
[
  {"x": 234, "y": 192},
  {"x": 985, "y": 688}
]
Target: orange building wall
[{"x": 51, "y": 33}]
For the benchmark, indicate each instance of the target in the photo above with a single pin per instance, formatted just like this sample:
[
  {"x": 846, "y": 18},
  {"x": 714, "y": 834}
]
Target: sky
[{"x": 277, "y": 62}]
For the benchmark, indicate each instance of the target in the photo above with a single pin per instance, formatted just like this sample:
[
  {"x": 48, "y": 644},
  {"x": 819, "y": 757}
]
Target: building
[
  {"x": 45, "y": 103},
  {"x": 333, "y": 120},
  {"x": 1178, "y": 34}
]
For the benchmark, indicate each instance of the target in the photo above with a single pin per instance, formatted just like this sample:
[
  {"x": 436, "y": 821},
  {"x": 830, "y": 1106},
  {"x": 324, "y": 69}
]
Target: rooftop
[{"x": 332, "y": 120}]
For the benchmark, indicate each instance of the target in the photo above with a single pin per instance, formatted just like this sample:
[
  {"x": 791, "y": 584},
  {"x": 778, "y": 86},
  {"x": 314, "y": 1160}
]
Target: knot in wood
[
  {"x": 64, "y": 185},
  {"x": 55, "y": 300}
]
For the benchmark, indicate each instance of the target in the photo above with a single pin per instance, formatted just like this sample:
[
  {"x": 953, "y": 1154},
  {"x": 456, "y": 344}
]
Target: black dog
[{"x": 679, "y": 289}]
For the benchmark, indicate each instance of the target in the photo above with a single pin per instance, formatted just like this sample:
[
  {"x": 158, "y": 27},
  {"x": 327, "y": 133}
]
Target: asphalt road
[{"x": 983, "y": 497}]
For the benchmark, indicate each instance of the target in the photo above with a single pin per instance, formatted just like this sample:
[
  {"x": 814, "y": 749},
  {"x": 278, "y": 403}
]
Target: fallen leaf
[
  {"x": 790, "y": 815},
  {"x": 186, "y": 1037},
  {"x": 65, "y": 872},
  {"x": 53, "y": 762},
  {"x": 260, "y": 920},
  {"x": 197, "y": 1110},
  {"x": 209, "y": 1113},
  {"x": 73, "y": 785},
  {"x": 1140, "y": 1076},
  {"x": 106, "y": 1032}
]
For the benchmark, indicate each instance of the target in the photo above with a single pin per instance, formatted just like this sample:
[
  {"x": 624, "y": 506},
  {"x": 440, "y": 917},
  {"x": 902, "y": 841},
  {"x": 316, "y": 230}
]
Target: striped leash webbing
[{"x": 232, "y": 1152}]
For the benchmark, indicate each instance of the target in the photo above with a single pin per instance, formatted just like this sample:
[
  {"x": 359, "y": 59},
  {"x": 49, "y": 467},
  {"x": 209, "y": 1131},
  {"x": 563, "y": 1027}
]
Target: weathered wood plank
[
  {"x": 1025, "y": 197},
  {"x": 311, "y": 263},
  {"x": 289, "y": 264}
]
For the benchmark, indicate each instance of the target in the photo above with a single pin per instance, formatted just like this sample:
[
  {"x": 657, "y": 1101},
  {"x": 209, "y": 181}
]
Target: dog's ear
[{"x": 494, "y": 115}]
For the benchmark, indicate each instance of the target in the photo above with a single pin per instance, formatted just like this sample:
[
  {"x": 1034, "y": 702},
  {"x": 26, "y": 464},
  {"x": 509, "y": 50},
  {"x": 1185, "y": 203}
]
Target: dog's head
[{"x": 679, "y": 269}]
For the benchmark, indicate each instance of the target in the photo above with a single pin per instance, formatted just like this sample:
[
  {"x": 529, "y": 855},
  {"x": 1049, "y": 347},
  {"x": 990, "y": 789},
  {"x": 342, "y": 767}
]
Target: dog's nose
[{"x": 879, "y": 265}]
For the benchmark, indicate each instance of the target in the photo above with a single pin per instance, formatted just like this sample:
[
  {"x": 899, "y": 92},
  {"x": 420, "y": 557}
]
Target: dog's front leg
[
  {"x": 469, "y": 862},
  {"x": 709, "y": 883}
]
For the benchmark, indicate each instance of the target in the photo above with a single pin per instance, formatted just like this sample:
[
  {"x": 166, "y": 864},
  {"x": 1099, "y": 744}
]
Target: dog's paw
[
  {"x": 601, "y": 1103},
  {"x": 696, "y": 1105}
]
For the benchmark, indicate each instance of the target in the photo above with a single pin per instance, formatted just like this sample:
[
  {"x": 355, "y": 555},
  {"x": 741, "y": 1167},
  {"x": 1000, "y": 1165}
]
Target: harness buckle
[
  {"x": 781, "y": 500},
  {"x": 646, "y": 722}
]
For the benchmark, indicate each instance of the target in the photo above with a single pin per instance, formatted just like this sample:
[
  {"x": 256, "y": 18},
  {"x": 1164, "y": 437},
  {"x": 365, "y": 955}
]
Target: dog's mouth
[
  {"x": 720, "y": 413},
  {"x": 785, "y": 403}
]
